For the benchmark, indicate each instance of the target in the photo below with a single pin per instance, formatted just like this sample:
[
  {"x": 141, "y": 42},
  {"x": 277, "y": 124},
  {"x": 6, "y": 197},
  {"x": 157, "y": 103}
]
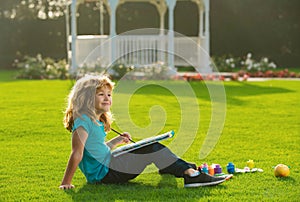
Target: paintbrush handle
[{"x": 121, "y": 134}]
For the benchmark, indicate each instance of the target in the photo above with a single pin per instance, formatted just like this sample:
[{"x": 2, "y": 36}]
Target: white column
[
  {"x": 200, "y": 54},
  {"x": 74, "y": 36},
  {"x": 162, "y": 11},
  {"x": 206, "y": 43},
  {"x": 112, "y": 31},
  {"x": 204, "y": 50},
  {"x": 200, "y": 33},
  {"x": 67, "y": 19},
  {"x": 101, "y": 17},
  {"x": 207, "y": 33},
  {"x": 171, "y": 5}
]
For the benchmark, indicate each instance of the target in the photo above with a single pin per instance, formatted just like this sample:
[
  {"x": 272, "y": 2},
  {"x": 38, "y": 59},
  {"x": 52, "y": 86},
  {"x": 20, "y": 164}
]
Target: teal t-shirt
[{"x": 96, "y": 154}]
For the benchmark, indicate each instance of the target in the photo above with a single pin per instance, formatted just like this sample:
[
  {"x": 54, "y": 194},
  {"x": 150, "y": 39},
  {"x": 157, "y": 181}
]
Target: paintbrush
[{"x": 121, "y": 135}]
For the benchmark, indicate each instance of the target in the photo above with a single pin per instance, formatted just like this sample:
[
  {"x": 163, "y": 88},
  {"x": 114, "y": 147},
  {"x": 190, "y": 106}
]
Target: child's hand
[
  {"x": 121, "y": 139},
  {"x": 125, "y": 137},
  {"x": 66, "y": 186}
]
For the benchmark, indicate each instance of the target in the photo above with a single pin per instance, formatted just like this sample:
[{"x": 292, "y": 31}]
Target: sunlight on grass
[{"x": 262, "y": 123}]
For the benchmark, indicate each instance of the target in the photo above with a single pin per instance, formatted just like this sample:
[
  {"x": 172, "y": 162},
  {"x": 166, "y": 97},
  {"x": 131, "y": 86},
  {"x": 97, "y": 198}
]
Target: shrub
[
  {"x": 226, "y": 63},
  {"x": 89, "y": 68},
  {"x": 246, "y": 63},
  {"x": 41, "y": 68},
  {"x": 153, "y": 72},
  {"x": 117, "y": 71},
  {"x": 250, "y": 65}
]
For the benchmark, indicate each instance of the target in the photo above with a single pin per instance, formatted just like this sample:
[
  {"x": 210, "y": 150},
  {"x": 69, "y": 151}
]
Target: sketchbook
[{"x": 133, "y": 146}]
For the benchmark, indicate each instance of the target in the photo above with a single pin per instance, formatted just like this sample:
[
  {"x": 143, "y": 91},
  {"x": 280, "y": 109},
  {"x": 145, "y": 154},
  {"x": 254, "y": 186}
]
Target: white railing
[
  {"x": 93, "y": 49},
  {"x": 186, "y": 51},
  {"x": 138, "y": 50},
  {"x": 141, "y": 50}
]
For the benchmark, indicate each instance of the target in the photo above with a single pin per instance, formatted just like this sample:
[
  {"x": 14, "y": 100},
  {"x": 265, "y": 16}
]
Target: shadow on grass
[
  {"x": 236, "y": 91},
  {"x": 247, "y": 89},
  {"x": 288, "y": 179},
  {"x": 166, "y": 190},
  {"x": 8, "y": 75},
  {"x": 203, "y": 90}
]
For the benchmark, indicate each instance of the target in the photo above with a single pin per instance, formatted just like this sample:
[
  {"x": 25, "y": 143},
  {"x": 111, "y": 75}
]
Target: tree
[{"x": 33, "y": 9}]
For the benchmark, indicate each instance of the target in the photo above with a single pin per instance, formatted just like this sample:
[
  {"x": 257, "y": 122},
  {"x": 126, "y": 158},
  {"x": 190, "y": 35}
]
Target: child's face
[{"x": 103, "y": 100}]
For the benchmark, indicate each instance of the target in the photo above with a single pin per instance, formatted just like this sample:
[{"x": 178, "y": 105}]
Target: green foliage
[
  {"x": 41, "y": 68},
  {"x": 31, "y": 9},
  {"x": 229, "y": 63},
  {"x": 226, "y": 63},
  {"x": 89, "y": 68},
  {"x": 152, "y": 72},
  {"x": 247, "y": 66},
  {"x": 118, "y": 71},
  {"x": 262, "y": 123}
]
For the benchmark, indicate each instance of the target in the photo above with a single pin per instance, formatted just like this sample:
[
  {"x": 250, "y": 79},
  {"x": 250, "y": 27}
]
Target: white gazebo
[{"x": 130, "y": 48}]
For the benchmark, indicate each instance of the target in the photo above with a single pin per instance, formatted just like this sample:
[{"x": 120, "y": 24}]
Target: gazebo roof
[
  {"x": 156, "y": 2},
  {"x": 135, "y": 0},
  {"x": 160, "y": 4}
]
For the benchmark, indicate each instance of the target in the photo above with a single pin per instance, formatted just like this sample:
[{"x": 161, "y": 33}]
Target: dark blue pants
[{"x": 128, "y": 166}]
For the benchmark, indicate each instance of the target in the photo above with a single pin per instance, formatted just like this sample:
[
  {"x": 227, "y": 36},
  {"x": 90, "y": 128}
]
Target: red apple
[{"x": 281, "y": 170}]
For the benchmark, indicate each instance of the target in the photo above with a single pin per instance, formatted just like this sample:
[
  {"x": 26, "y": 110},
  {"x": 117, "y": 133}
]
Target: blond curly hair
[{"x": 81, "y": 100}]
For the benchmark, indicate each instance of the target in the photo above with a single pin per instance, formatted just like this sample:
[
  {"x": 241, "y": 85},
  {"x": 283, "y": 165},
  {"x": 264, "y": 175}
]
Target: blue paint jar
[{"x": 230, "y": 168}]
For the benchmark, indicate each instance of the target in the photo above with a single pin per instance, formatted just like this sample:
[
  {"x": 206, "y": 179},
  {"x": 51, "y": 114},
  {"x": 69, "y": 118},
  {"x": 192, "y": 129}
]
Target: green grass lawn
[{"x": 262, "y": 123}]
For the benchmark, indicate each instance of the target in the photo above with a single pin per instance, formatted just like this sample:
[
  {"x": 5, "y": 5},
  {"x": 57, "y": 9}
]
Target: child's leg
[{"x": 130, "y": 165}]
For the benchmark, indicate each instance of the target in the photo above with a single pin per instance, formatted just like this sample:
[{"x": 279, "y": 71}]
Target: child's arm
[
  {"x": 125, "y": 138},
  {"x": 78, "y": 141}
]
